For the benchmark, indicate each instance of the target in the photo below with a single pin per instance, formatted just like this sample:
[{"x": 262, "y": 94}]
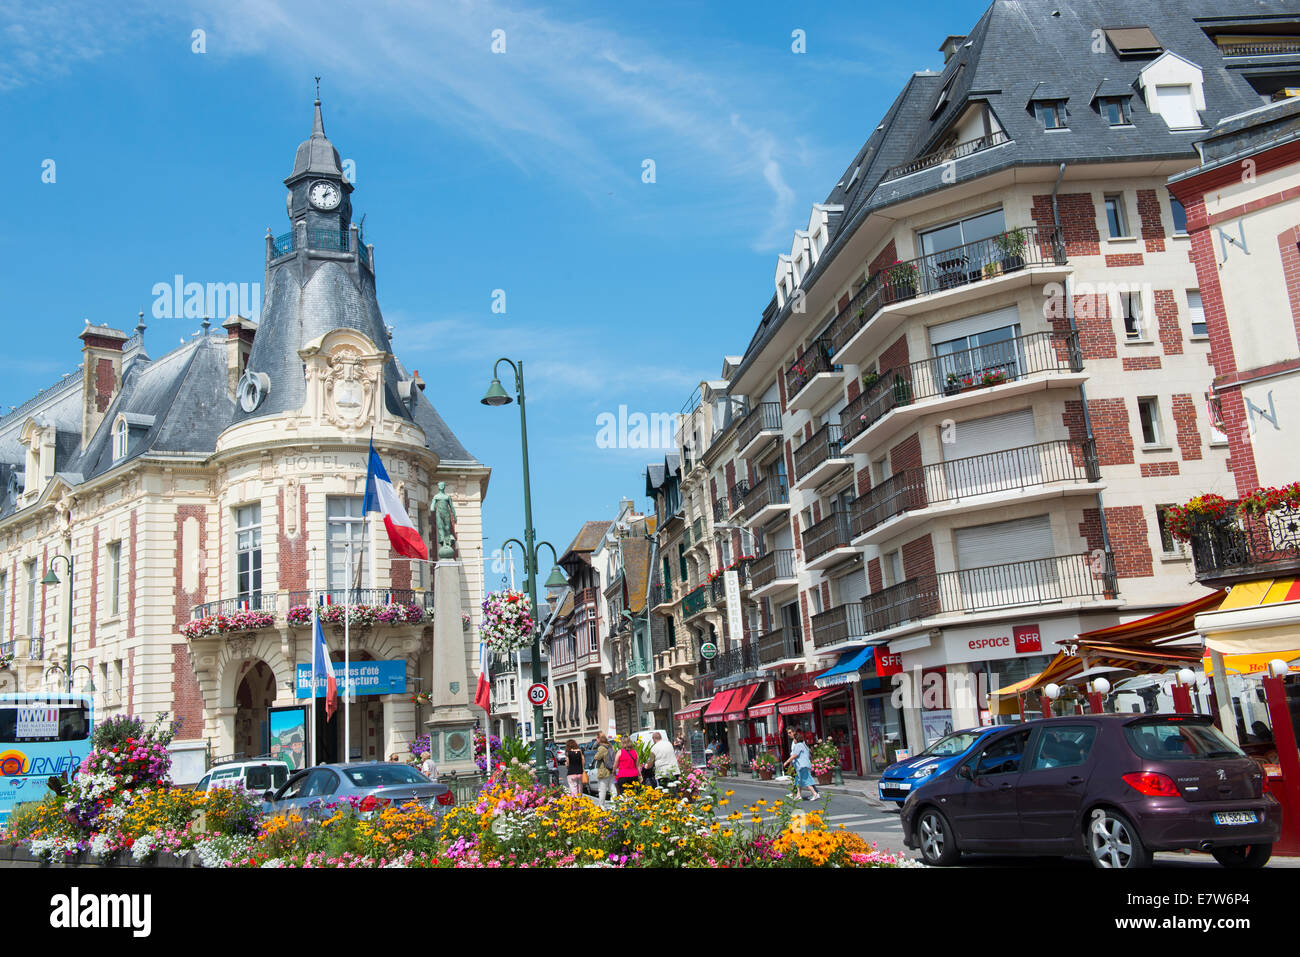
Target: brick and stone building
[{"x": 227, "y": 475}]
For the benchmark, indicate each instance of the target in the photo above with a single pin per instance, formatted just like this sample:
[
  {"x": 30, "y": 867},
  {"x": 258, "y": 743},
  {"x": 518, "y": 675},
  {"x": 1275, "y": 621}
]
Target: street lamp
[
  {"x": 53, "y": 579},
  {"x": 496, "y": 395}
]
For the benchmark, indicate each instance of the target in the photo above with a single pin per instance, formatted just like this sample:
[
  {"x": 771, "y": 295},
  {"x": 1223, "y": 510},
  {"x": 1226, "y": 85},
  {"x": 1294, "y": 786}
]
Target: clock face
[{"x": 324, "y": 195}]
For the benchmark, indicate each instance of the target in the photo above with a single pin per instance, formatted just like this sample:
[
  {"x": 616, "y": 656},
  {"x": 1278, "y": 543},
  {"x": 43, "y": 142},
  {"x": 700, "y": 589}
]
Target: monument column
[{"x": 451, "y": 726}]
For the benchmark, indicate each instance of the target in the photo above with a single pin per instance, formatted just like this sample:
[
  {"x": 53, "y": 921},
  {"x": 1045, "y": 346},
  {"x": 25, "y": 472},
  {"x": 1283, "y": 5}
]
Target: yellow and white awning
[{"x": 1257, "y": 618}]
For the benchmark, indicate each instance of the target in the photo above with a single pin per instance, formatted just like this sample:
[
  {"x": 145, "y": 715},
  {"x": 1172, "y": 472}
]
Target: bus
[{"x": 42, "y": 735}]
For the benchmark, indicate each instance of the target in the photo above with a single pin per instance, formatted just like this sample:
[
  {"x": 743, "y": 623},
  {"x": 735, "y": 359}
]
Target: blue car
[{"x": 902, "y": 778}]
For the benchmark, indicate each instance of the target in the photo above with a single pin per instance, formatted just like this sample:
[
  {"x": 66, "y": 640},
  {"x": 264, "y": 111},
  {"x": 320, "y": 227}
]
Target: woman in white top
[{"x": 428, "y": 768}]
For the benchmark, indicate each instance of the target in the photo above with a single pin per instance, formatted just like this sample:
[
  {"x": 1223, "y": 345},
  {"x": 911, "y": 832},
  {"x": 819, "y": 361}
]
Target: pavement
[{"x": 864, "y": 787}]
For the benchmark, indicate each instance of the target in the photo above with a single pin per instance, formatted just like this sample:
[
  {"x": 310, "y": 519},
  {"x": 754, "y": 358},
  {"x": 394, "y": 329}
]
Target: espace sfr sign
[{"x": 1024, "y": 639}]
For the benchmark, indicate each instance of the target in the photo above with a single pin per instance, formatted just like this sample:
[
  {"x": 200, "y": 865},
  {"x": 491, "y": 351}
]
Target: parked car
[
  {"x": 255, "y": 776},
  {"x": 902, "y": 777},
  {"x": 313, "y": 789},
  {"x": 1116, "y": 787}
]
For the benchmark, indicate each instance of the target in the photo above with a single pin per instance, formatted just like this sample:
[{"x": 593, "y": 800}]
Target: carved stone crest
[{"x": 349, "y": 388}]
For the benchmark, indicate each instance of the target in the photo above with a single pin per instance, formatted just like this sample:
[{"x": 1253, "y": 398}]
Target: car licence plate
[
  {"x": 898, "y": 786},
  {"x": 1235, "y": 817}
]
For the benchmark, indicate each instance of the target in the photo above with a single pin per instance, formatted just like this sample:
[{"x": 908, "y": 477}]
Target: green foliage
[{"x": 515, "y": 749}]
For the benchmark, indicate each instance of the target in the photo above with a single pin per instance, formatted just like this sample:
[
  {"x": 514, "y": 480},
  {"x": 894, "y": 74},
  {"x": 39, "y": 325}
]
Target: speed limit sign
[{"x": 538, "y": 694}]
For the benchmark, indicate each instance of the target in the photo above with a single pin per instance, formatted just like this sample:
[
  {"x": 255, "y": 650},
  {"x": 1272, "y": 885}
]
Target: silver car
[{"x": 313, "y": 790}]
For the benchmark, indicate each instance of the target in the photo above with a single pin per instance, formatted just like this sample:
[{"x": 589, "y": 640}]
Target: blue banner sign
[{"x": 365, "y": 678}]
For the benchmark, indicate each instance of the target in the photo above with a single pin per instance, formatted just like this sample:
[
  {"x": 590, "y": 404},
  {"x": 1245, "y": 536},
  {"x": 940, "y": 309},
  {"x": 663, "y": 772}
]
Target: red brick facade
[
  {"x": 1157, "y": 469},
  {"x": 918, "y": 557},
  {"x": 863, "y": 483},
  {"x": 1127, "y": 528},
  {"x": 187, "y": 700},
  {"x": 1078, "y": 221},
  {"x": 1189, "y": 434},
  {"x": 1096, "y": 334},
  {"x": 1153, "y": 227},
  {"x": 1139, "y": 363},
  {"x": 896, "y": 356},
  {"x": 905, "y": 455},
  {"x": 1117, "y": 260},
  {"x": 105, "y": 384},
  {"x": 1170, "y": 333},
  {"x": 887, "y": 257},
  {"x": 1110, "y": 428}
]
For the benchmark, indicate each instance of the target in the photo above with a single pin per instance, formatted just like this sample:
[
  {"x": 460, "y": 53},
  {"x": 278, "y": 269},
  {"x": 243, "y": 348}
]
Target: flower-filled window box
[{"x": 227, "y": 624}]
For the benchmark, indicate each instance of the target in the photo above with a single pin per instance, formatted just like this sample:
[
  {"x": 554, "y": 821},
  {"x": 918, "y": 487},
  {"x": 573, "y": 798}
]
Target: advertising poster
[
  {"x": 288, "y": 727},
  {"x": 935, "y": 724}
]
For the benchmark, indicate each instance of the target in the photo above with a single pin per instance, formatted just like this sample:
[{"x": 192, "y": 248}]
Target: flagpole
[
  {"x": 347, "y": 667},
  {"x": 315, "y": 604}
]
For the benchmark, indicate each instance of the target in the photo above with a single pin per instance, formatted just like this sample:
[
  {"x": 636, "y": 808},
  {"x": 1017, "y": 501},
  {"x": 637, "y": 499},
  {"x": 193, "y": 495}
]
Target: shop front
[{"x": 747, "y": 740}]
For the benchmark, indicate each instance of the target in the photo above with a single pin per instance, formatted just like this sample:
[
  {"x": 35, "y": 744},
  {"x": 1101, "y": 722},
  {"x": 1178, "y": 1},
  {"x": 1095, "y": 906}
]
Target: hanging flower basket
[
  {"x": 507, "y": 621},
  {"x": 225, "y": 624}
]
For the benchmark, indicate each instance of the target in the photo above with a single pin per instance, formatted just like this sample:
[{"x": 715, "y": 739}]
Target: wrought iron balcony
[
  {"x": 697, "y": 531},
  {"x": 1013, "y": 584},
  {"x": 696, "y": 600},
  {"x": 822, "y": 447},
  {"x": 838, "y": 624},
  {"x": 765, "y": 493},
  {"x": 779, "y": 645},
  {"x": 1246, "y": 547},
  {"x": 736, "y": 494},
  {"x": 661, "y": 593},
  {"x": 772, "y": 566},
  {"x": 833, "y": 531},
  {"x": 982, "y": 367},
  {"x": 737, "y": 661},
  {"x": 763, "y": 419},
  {"x": 974, "y": 262},
  {"x": 329, "y": 240},
  {"x": 721, "y": 510},
  {"x": 1029, "y": 466},
  {"x": 586, "y": 596},
  {"x": 266, "y": 601},
  {"x": 343, "y": 596},
  {"x": 1279, "y": 46},
  {"x": 810, "y": 363},
  {"x": 947, "y": 154}
]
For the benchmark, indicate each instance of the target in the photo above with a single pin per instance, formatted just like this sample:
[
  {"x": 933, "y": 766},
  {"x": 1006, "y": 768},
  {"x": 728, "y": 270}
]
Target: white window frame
[
  {"x": 1121, "y": 214},
  {"x": 1196, "y": 307},
  {"x": 248, "y": 542},
  {"x": 1132, "y": 309},
  {"x": 121, "y": 439},
  {"x": 338, "y": 529},
  {"x": 1157, "y": 427},
  {"x": 31, "y": 566},
  {"x": 113, "y": 557}
]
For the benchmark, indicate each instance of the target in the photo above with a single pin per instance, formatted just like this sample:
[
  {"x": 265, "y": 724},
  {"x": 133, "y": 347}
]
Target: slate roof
[
  {"x": 587, "y": 539},
  {"x": 636, "y": 571},
  {"x": 1014, "y": 47},
  {"x": 657, "y": 473}
]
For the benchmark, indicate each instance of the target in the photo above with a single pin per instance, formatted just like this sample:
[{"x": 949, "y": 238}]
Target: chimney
[
  {"x": 101, "y": 374},
  {"x": 950, "y": 46},
  {"x": 239, "y": 344}
]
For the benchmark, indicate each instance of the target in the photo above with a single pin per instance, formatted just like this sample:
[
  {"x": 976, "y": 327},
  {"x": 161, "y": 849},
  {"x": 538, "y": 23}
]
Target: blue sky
[{"x": 519, "y": 171}]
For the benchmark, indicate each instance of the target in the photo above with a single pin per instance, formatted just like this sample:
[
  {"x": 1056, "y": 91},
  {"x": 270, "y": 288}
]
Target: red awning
[
  {"x": 691, "y": 711},
  {"x": 740, "y": 701},
  {"x": 717, "y": 708},
  {"x": 765, "y": 708},
  {"x": 803, "y": 703}
]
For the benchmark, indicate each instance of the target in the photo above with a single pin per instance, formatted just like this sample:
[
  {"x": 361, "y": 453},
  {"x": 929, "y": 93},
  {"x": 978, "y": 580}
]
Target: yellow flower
[{"x": 730, "y": 793}]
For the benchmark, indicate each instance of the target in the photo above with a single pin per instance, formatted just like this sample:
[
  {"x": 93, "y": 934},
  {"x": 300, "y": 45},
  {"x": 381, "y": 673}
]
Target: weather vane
[{"x": 318, "y": 88}]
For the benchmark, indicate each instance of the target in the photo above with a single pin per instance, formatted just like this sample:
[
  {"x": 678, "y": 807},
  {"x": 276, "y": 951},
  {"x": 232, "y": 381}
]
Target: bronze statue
[{"x": 444, "y": 515}]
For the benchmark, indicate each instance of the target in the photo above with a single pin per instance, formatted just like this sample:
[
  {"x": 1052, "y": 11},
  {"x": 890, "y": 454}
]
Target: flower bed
[{"x": 223, "y": 624}]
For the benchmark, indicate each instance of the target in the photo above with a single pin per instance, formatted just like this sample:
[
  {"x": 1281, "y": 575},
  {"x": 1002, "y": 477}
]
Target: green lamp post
[
  {"x": 496, "y": 395},
  {"x": 53, "y": 579}
]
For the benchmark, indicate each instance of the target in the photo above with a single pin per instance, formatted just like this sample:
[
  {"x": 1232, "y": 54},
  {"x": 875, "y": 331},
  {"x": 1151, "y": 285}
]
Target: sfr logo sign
[{"x": 1026, "y": 638}]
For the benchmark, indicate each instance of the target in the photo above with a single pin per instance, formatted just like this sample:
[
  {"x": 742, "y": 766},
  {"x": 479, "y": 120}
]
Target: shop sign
[
  {"x": 887, "y": 662},
  {"x": 731, "y": 579},
  {"x": 996, "y": 641},
  {"x": 363, "y": 678},
  {"x": 1028, "y": 640}
]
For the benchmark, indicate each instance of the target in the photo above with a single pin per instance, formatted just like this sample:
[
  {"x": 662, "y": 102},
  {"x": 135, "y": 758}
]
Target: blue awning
[{"x": 847, "y": 669}]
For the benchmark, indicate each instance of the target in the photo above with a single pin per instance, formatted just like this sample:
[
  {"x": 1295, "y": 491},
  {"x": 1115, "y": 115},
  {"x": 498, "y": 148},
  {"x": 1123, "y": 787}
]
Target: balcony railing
[
  {"x": 586, "y": 596},
  {"x": 721, "y": 510},
  {"x": 332, "y": 240},
  {"x": 742, "y": 659},
  {"x": 353, "y": 596},
  {"x": 1263, "y": 48},
  {"x": 661, "y": 593},
  {"x": 833, "y": 531},
  {"x": 837, "y": 625},
  {"x": 947, "y": 154},
  {"x": 768, "y": 491},
  {"x": 974, "y": 262},
  {"x": 955, "y": 372},
  {"x": 1028, "y": 466},
  {"x": 737, "y": 494},
  {"x": 1034, "y": 582},
  {"x": 771, "y": 566},
  {"x": 36, "y": 648},
  {"x": 812, "y": 361},
  {"x": 696, "y": 600},
  {"x": 1247, "y": 547},
  {"x": 778, "y": 645},
  {"x": 764, "y": 417},
  {"x": 262, "y": 601},
  {"x": 822, "y": 446}
]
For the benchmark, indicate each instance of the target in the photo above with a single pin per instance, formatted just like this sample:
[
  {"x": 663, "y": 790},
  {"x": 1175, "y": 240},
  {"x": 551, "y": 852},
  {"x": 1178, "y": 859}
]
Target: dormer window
[
  {"x": 1051, "y": 113},
  {"x": 1173, "y": 87},
  {"x": 120, "y": 434},
  {"x": 1116, "y": 110},
  {"x": 1176, "y": 106}
]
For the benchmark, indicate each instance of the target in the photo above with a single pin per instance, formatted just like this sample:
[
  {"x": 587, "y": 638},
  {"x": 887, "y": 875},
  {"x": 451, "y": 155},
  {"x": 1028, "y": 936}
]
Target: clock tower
[{"x": 320, "y": 279}]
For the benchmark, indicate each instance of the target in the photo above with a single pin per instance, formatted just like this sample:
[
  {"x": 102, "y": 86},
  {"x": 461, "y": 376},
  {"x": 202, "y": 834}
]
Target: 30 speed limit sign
[{"x": 538, "y": 694}]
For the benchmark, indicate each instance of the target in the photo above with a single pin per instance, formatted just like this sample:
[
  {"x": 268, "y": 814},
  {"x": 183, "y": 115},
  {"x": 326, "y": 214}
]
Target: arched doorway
[
  {"x": 256, "y": 693},
  {"x": 367, "y": 722}
]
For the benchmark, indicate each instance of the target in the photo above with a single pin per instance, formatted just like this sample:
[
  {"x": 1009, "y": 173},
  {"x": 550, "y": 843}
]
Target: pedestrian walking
[
  {"x": 573, "y": 766},
  {"x": 665, "y": 760},
  {"x": 606, "y": 765},
  {"x": 628, "y": 768},
  {"x": 801, "y": 758}
]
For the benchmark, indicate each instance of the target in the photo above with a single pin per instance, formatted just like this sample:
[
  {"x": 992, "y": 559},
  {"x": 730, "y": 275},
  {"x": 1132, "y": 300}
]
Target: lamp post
[
  {"x": 495, "y": 396},
  {"x": 53, "y": 579}
]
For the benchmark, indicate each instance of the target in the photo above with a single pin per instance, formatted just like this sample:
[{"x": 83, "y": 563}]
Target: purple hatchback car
[{"x": 1117, "y": 787}]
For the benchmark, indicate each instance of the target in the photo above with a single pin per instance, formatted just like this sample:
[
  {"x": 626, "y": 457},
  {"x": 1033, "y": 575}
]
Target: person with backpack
[
  {"x": 606, "y": 765},
  {"x": 628, "y": 768}
]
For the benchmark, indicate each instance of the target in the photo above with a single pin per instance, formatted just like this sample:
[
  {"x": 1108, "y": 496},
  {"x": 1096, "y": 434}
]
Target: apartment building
[
  {"x": 982, "y": 375},
  {"x": 573, "y": 638}
]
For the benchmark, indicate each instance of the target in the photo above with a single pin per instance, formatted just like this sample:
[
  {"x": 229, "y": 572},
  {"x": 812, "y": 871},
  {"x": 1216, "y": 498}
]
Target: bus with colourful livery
[{"x": 42, "y": 735}]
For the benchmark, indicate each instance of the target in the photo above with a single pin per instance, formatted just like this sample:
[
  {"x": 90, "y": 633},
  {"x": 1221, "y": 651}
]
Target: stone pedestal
[{"x": 451, "y": 726}]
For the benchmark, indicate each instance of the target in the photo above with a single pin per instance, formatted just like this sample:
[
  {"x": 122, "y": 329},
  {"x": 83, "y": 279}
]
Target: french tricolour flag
[
  {"x": 321, "y": 664},
  {"x": 382, "y": 497}
]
